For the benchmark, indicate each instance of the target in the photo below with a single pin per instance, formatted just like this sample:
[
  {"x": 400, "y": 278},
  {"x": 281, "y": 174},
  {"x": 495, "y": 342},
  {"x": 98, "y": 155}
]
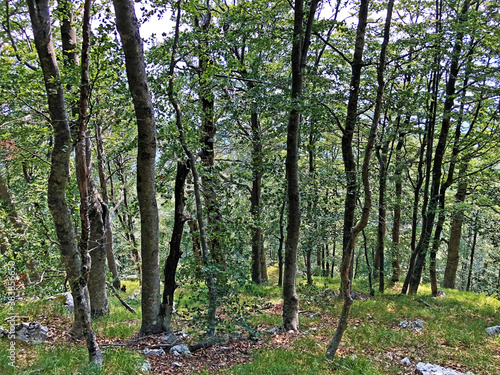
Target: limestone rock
[
  {"x": 154, "y": 352},
  {"x": 146, "y": 367},
  {"x": 180, "y": 349},
  {"x": 493, "y": 331},
  {"x": 67, "y": 298},
  {"x": 31, "y": 333},
  {"x": 416, "y": 325},
  {"x": 430, "y": 369},
  {"x": 406, "y": 361}
]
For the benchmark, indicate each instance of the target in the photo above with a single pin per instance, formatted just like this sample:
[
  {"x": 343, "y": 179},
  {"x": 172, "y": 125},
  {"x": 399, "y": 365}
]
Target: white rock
[
  {"x": 155, "y": 352},
  {"x": 69, "y": 304},
  {"x": 430, "y": 369},
  {"x": 180, "y": 349},
  {"x": 493, "y": 331},
  {"x": 406, "y": 361},
  {"x": 146, "y": 367}
]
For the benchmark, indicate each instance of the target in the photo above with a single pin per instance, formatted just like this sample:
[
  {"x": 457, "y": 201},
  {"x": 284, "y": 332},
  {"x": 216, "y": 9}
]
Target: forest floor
[{"x": 453, "y": 335}]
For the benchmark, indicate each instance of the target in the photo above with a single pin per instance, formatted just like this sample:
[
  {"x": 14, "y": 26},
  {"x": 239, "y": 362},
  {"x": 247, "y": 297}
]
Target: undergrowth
[{"x": 453, "y": 335}]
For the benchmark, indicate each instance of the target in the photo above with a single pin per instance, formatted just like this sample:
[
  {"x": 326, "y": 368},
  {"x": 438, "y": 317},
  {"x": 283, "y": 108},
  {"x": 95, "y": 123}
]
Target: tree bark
[
  {"x": 455, "y": 233},
  {"x": 255, "y": 199},
  {"x": 423, "y": 244},
  {"x": 281, "y": 242},
  {"x": 472, "y": 251},
  {"x": 126, "y": 218},
  {"x": 92, "y": 212},
  {"x": 351, "y": 231},
  {"x": 300, "y": 47},
  {"x": 210, "y": 277},
  {"x": 382, "y": 212},
  {"x": 367, "y": 259},
  {"x": 351, "y": 176},
  {"x": 128, "y": 28},
  {"x": 396, "y": 269},
  {"x": 76, "y": 264},
  {"x": 175, "y": 245},
  {"x": 110, "y": 255}
]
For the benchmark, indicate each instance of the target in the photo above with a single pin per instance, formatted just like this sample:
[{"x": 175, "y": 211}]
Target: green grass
[{"x": 454, "y": 332}]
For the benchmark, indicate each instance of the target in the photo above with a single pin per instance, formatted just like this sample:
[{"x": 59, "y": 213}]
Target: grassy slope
[{"x": 454, "y": 335}]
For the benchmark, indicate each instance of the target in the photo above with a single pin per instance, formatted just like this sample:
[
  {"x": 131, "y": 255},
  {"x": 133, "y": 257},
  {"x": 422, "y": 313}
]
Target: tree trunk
[
  {"x": 455, "y": 233},
  {"x": 281, "y": 242},
  {"x": 255, "y": 199},
  {"x": 300, "y": 47},
  {"x": 127, "y": 221},
  {"x": 308, "y": 267},
  {"x": 382, "y": 212},
  {"x": 423, "y": 244},
  {"x": 435, "y": 247},
  {"x": 367, "y": 259},
  {"x": 98, "y": 216},
  {"x": 396, "y": 269},
  {"x": 333, "y": 257},
  {"x": 128, "y": 28},
  {"x": 210, "y": 277},
  {"x": 110, "y": 255},
  {"x": 92, "y": 210},
  {"x": 472, "y": 252},
  {"x": 76, "y": 266},
  {"x": 351, "y": 231},
  {"x": 195, "y": 239},
  {"x": 175, "y": 245}
]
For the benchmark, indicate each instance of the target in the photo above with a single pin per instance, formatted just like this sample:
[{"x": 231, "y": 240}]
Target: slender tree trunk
[
  {"x": 435, "y": 247},
  {"x": 423, "y": 244},
  {"x": 311, "y": 208},
  {"x": 396, "y": 269},
  {"x": 351, "y": 231},
  {"x": 92, "y": 211},
  {"x": 98, "y": 217},
  {"x": 195, "y": 239},
  {"x": 308, "y": 267},
  {"x": 472, "y": 252},
  {"x": 367, "y": 259},
  {"x": 426, "y": 149},
  {"x": 128, "y": 28},
  {"x": 175, "y": 245},
  {"x": 455, "y": 233},
  {"x": 70, "y": 60},
  {"x": 127, "y": 221},
  {"x": 208, "y": 274},
  {"x": 110, "y": 255},
  {"x": 333, "y": 257},
  {"x": 324, "y": 256},
  {"x": 281, "y": 242},
  {"x": 300, "y": 46},
  {"x": 207, "y": 155},
  {"x": 76, "y": 263},
  {"x": 255, "y": 199},
  {"x": 382, "y": 212}
]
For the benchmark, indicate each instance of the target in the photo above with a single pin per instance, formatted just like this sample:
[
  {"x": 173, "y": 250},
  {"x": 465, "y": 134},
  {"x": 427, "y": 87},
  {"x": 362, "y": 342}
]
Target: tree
[
  {"x": 351, "y": 231},
  {"x": 128, "y": 28},
  {"x": 301, "y": 42},
  {"x": 76, "y": 263},
  {"x": 423, "y": 244}
]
